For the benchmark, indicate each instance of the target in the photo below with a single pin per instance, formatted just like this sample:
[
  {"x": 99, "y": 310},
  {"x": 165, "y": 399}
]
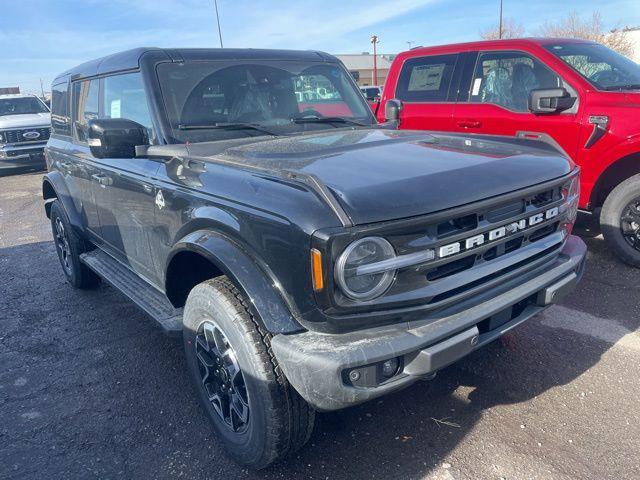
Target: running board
[{"x": 150, "y": 300}]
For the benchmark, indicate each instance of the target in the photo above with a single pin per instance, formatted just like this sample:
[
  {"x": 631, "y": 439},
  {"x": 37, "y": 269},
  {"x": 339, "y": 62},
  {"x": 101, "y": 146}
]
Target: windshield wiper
[
  {"x": 227, "y": 126},
  {"x": 328, "y": 120},
  {"x": 631, "y": 86}
]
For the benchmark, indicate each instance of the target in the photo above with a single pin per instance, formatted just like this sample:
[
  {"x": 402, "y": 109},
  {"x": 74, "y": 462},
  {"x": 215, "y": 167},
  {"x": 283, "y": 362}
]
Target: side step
[{"x": 150, "y": 300}]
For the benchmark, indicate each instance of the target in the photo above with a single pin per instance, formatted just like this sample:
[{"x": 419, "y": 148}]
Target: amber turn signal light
[{"x": 316, "y": 270}]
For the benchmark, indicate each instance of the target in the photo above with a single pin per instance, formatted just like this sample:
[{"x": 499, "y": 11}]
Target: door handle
[
  {"x": 469, "y": 123},
  {"x": 102, "y": 179}
]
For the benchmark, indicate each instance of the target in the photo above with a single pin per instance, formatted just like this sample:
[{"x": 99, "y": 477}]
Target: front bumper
[
  {"x": 18, "y": 156},
  {"x": 317, "y": 364}
]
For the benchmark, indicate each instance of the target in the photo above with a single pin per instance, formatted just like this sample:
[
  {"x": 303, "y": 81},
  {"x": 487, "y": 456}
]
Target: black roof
[{"x": 131, "y": 59}]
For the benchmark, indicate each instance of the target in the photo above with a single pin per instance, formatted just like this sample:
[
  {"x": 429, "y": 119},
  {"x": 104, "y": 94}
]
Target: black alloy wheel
[
  {"x": 620, "y": 220},
  {"x": 62, "y": 246},
  {"x": 69, "y": 246},
  {"x": 222, "y": 377},
  {"x": 630, "y": 223}
]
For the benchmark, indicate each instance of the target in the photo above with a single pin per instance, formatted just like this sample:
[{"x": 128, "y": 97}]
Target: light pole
[
  {"x": 500, "y": 23},
  {"x": 410, "y": 42},
  {"x": 215, "y": 2},
  {"x": 374, "y": 40}
]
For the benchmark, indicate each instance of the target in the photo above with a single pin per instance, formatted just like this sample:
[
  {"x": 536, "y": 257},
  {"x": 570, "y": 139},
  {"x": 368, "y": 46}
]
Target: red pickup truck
[{"x": 580, "y": 96}]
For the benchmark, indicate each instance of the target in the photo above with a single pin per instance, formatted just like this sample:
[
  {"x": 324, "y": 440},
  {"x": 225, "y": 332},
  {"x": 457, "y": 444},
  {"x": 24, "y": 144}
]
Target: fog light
[{"x": 390, "y": 367}]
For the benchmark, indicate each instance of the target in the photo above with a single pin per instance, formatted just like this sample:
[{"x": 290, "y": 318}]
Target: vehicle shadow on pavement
[{"x": 90, "y": 389}]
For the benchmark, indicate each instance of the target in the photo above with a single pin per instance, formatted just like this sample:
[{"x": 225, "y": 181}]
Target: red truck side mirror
[{"x": 550, "y": 100}]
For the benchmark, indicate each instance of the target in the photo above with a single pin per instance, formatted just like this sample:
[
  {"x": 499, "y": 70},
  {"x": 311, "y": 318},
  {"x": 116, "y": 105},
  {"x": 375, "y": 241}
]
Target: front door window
[
  {"x": 124, "y": 97},
  {"x": 507, "y": 78},
  {"x": 86, "y": 101}
]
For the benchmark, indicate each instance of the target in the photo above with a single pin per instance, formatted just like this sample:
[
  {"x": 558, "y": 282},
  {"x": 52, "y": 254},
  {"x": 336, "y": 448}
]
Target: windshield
[
  {"x": 604, "y": 68},
  {"x": 21, "y": 105},
  {"x": 204, "y": 99}
]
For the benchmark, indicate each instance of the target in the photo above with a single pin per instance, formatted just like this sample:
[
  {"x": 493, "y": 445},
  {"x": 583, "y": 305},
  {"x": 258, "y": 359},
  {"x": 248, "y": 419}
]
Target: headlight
[
  {"x": 571, "y": 196},
  {"x": 356, "y": 283},
  {"x": 2, "y": 140}
]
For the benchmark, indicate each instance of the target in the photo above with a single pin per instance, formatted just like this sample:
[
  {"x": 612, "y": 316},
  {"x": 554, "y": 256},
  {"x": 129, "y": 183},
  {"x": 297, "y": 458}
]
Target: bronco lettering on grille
[{"x": 496, "y": 233}]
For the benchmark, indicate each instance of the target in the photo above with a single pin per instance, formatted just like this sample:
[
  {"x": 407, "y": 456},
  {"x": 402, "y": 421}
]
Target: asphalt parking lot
[{"x": 89, "y": 388}]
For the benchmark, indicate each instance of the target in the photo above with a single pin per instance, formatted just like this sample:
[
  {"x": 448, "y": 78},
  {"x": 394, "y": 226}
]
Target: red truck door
[
  {"x": 497, "y": 100},
  {"x": 425, "y": 88}
]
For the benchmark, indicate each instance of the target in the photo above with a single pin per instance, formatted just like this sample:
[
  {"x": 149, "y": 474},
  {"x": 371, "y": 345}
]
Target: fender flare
[
  {"x": 55, "y": 181},
  {"x": 622, "y": 152},
  {"x": 273, "y": 307}
]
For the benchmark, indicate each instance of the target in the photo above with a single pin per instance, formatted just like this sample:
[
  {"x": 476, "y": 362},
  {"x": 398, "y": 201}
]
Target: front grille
[
  {"x": 495, "y": 214},
  {"x": 479, "y": 249},
  {"x": 494, "y": 275},
  {"x": 18, "y": 136},
  {"x": 465, "y": 263}
]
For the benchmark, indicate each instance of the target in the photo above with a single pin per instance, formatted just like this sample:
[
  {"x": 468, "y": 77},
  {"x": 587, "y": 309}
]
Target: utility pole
[
  {"x": 215, "y": 2},
  {"x": 500, "y": 23},
  {"x": 42, "y": 89},
  {"x": 374, "y": 40}
]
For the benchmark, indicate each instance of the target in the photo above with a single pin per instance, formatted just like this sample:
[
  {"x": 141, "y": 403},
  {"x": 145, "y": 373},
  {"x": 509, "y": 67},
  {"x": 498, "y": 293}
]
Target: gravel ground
[{"x": 89, "y": 388}]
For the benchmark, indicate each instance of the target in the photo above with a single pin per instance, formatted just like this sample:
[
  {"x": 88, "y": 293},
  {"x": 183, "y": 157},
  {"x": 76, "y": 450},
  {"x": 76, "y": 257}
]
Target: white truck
[{"x": 25, "y": 126}]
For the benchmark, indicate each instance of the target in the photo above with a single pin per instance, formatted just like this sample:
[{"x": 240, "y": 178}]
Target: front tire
[
  {"x": 257, "y": 415},
  {"x": 620, "y": 220},
  {"x": 69, "y": 247}
]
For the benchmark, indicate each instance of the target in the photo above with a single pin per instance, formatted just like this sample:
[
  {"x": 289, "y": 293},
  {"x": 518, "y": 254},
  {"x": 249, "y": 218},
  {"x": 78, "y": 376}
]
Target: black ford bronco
[{"x": 310, "y": 258}]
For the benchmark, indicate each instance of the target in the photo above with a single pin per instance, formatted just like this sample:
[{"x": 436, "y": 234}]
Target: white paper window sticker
[
  {"x": 115, "y": 108},
  {"x": 476, "y": 87},
  {"x": 425, "y": 78}
]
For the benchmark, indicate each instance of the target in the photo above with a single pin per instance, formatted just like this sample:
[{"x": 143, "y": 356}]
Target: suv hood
[
  {"x": 380, "y": 175},
  {"x": 25, "y": 120}
]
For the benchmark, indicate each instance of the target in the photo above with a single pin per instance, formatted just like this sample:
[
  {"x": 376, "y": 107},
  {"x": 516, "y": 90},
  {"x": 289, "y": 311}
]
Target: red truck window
[
  {"x": 426, "y": 79},
  {"x": 602, "y": 67},
  {"x": 507, "y": 78}
]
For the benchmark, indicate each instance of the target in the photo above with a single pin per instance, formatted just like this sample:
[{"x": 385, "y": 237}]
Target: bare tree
[
  {"x": 510, "y": 29},
  {"x": 590, "y": 29}
]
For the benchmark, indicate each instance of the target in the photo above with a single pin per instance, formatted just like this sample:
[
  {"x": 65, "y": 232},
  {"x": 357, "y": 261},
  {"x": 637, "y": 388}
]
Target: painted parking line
[{"x": 599, "y": 328}]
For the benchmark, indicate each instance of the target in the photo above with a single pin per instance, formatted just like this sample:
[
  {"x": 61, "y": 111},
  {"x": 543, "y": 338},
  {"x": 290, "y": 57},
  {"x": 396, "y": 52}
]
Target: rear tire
[
  {"x": 620, "y": 221},
  {"x": 69, "y": 247},
  {"x": 279, "y": 421}
]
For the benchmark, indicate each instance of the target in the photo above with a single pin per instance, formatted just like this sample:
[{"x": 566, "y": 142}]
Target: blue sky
[{"x": 39, "y": 38}]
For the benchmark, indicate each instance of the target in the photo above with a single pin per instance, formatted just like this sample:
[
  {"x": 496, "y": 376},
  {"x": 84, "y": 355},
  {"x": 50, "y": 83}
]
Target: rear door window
[
  {"x": 426, "y": 79},
  {"x": 60, "y": 121}
]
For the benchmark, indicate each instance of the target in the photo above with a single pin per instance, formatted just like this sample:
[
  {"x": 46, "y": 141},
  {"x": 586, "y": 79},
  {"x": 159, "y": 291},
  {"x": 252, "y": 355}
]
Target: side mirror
[
  {"x": 115, "y": 137},
  {"x": 550, "y": 100},
  {"x": 392, "y": 110}
]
